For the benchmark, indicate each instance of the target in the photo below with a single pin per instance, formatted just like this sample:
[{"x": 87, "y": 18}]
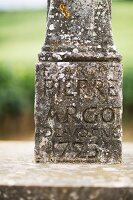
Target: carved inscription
[
  {"x": 88, "y": 115},
  {"x": 82, "y": 87},
  {"x": 82, "y": 111}
]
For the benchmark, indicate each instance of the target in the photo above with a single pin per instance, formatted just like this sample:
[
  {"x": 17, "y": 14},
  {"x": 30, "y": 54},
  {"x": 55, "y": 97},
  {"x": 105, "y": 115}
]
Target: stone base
[
  {"x": 78, "y": 112},
  {"x": 22, "y": 179}
]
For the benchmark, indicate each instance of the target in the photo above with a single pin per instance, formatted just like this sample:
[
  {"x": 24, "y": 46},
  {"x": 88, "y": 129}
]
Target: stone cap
[{"x": 79, "y": 31}]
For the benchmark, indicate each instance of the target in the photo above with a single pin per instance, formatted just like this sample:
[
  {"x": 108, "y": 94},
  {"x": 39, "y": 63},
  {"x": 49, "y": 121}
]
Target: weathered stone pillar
[{"x": 78, "y": 104}]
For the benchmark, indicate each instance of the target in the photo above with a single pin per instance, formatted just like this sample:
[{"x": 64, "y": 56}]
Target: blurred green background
[{"x": 21, "y": 38}]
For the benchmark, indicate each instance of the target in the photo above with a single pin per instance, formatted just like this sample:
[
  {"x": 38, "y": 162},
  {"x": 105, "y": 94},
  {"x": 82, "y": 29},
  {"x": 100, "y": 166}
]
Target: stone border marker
[{"x": 78, "y": 102}]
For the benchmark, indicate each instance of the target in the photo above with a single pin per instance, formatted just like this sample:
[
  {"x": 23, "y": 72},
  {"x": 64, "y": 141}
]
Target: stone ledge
[{"x": 21, "y": 178}]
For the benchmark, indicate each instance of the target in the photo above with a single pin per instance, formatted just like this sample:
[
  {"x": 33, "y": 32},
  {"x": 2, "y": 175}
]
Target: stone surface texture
[
  {"x": 22, "y": 179},
  {"x": 79, "y": 30},
  {"x": 78, "y": 102}
]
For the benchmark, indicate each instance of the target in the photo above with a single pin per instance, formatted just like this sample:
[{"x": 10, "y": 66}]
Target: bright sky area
[{"x": 21, "y": 4}]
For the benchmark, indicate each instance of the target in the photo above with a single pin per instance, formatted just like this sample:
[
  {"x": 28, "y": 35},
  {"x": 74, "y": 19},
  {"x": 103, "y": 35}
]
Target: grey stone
[
  {"x": 79, "y": 31},
  {"x": 78, "y": 103},
  {"x": 78, "y": 112},
  {"x": 21, "y": 178}
]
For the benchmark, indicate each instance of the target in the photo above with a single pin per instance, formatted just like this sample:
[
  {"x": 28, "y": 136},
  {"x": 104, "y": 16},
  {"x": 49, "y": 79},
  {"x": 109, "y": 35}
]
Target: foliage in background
[
  {"x": 122, "y": 0},
  {"x": 21, "y": 38},
  {"x": 16, "y": 92},
  {"x": 128, "y": 88}
]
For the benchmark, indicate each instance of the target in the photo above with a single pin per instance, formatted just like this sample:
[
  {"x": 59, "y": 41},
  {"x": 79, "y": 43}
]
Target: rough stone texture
[
  {"x": 79, "y": 30},
  {"x": 78, "y": 103},
  {"x": 78, "y": 112},
  {"x": 22, "y": 179}
]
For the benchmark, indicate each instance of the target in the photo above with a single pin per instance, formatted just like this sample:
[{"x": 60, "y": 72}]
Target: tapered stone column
[{"x": 78, "y": 103}]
